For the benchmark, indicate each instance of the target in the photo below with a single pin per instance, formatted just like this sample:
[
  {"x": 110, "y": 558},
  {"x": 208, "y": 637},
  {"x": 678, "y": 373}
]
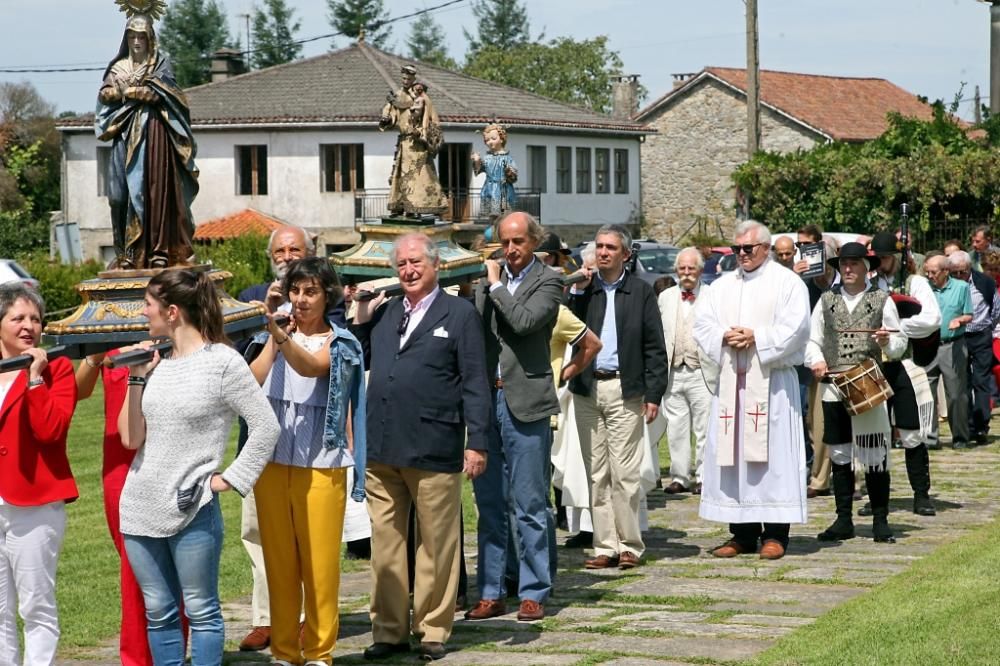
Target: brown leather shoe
[
  {"x": 772, "y": 550},
  {"x": 812, "y": 492},
  {"x": 730, "y": 549},
  {"x": 601, "y": 562},
  {"x": 486, "y": 608},
  {"x": 530, "y": 611},
  {"x": 628, "y": 560},
  {"x": 258, "y": 639},
  {"x": 674, "y": 488}
]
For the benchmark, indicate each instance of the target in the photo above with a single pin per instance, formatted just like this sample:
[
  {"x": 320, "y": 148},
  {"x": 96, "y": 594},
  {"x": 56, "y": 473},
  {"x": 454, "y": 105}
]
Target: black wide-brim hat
[
  {"x": 884, "y": 244},
  {"x": 552, "y": 244},
  {"x": 853, "y": 251}
]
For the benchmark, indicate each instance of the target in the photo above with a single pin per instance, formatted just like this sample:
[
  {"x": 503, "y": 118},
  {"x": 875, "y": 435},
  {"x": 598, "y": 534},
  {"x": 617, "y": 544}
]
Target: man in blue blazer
[{"x": 426, "y": 390}]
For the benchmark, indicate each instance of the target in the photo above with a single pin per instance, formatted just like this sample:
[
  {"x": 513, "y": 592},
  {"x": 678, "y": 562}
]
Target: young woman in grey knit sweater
[{"x": 178, "y": 413}]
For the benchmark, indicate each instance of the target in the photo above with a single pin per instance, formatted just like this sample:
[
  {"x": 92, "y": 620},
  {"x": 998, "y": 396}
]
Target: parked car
[
  {"x": 722, "y": 260},
  {"x": 11, "y": 271},
  {"x": 653, "y": 259}
]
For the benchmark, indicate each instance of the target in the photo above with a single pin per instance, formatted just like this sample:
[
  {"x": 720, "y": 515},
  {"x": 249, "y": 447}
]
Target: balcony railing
[{"x": 371, "y": 206}]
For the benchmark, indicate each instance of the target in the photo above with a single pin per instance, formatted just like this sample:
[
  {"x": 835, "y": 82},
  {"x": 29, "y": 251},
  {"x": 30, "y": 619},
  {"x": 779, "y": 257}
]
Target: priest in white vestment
[{"x": 754, "y": 323}]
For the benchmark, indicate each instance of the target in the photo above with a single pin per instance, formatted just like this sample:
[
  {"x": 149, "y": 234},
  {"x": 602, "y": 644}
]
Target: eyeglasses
[
  {"x": 962, "y": 274},
  {"x": 745, "y": 249},
  {"x": 403, "y": 324}
]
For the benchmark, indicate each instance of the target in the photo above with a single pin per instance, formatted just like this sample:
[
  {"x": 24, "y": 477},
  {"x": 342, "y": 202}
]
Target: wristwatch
[{"x": 38, "y": 381}]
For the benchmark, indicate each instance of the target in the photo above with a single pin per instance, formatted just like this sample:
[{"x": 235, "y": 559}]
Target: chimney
[
  {"x": 624, "y": 96},
  {"x": 682, "y": 78},
  {"x": 226, "y": 63}
]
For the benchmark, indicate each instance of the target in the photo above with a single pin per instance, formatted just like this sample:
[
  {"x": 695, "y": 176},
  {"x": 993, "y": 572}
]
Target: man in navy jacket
[{"x": 427, "y": 388}]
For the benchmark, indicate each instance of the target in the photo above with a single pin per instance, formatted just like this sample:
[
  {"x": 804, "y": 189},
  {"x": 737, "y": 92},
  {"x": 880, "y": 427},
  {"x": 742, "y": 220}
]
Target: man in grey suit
[{"x": 519, "y": 301}]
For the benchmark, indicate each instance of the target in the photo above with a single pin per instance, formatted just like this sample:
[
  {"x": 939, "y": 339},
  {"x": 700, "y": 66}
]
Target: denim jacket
[{"x": 347, "y": 388}]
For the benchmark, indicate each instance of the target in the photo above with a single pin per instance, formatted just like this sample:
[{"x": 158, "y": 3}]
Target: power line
[{"x": 43, "y": 69}]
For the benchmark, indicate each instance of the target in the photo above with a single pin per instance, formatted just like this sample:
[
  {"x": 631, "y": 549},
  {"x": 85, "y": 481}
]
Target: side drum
[{"x": 862, "y": 387}]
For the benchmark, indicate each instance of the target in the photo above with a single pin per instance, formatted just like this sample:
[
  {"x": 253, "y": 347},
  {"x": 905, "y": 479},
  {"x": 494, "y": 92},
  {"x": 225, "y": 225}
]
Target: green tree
[
  {"x": 576, "y": 72},
  {"x": 22, "y": 226},
  {"x": 30, "y": 154},
  {"x": 426, "y": 43},
  {"x": 350, "y": 17},
  {"x": 190, "y": 32},
  {"x": 274, "y": 35},
  {"x": 500, "y": 24},
  {"x": 931, "y": 164}
]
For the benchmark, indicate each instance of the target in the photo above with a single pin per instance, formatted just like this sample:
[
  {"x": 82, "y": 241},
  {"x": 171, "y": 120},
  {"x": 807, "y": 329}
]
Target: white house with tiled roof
[
  {"x": 701, "y": 137},
  {"x": 300, "y": 142}
]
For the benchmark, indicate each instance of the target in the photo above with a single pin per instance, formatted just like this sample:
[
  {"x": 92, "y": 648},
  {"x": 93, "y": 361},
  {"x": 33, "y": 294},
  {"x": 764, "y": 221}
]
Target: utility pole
[
  {"x": 994, "y": 57},
  {"x": 753, "y": 90},
  {"x": 249, "y": 50}
]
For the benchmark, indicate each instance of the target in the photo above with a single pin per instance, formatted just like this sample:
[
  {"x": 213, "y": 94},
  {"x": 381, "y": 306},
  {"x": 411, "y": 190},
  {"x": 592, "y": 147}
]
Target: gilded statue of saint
[
  {"x": 414, "y": 188},
  {"x": 152, "y": 178}
]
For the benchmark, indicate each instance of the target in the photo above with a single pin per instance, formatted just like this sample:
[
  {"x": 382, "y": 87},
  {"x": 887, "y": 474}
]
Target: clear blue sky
[{"x": 926, "y": 46}]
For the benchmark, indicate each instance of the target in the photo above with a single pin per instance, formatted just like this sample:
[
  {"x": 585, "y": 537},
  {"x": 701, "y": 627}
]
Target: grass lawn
[
  {"x": 87, "y": 580},
  {"x": 942, "y": 610}
]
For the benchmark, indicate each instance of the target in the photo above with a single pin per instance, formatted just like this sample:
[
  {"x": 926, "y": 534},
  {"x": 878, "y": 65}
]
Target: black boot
[
  {"x": 918, "y": 468},
  {"x": 843, "y": 497},
  {"x": 878, "y": 492}
]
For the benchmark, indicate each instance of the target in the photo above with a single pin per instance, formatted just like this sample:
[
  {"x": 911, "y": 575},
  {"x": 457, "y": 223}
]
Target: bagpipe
[{"x": 924, "y": 349}]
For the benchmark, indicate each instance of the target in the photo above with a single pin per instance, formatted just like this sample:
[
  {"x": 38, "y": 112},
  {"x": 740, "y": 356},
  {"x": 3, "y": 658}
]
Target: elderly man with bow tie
[{"x": 688, "y": 399}]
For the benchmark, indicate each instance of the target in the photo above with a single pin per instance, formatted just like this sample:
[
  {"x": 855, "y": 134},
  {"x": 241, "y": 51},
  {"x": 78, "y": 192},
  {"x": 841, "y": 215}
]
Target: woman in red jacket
[{"x": 36, "y": 406}]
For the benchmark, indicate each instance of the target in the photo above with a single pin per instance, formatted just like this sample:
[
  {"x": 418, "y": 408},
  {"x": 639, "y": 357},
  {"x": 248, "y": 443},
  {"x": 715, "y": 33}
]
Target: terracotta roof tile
[
  {"x": 843, "y": 108},
  {"x": 247, "y": 221}
]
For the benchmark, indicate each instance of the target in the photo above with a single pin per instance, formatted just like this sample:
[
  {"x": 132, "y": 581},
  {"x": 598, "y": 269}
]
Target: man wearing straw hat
[{"x": 853, "y": 322}]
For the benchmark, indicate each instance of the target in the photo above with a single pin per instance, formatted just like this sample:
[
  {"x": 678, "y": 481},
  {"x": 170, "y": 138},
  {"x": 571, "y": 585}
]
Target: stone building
[
  {"x": 701, "y": 137},
  {"x": 299, "y": 142}
]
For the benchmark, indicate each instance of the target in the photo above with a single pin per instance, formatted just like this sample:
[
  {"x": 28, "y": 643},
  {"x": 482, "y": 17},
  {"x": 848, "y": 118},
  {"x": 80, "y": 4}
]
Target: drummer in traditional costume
[
  {"x": 853, "y": 323},
  {"x": 912, "y": 404},
  {"x": 754, "y": 324}
]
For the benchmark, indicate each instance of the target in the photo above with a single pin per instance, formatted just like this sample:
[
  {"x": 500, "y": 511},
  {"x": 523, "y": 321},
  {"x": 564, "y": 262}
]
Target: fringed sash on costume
[
  {"x": 925, "y": 398},
  {"x": 871, "y": 432}
]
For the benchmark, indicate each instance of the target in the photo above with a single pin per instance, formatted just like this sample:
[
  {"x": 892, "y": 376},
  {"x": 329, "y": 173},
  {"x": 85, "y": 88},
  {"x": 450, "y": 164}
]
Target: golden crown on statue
[{"x": 152, "y": 8}]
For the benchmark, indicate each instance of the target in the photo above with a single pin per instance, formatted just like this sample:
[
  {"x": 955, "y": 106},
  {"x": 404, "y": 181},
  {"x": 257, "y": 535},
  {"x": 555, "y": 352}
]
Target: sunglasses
[
  {"x": 745, "y": 249},
  {"x": 403, "y": 323}
]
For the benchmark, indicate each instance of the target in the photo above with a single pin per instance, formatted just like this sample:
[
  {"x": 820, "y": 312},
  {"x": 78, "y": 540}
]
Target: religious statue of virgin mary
[{"x": 152, "y": 178}]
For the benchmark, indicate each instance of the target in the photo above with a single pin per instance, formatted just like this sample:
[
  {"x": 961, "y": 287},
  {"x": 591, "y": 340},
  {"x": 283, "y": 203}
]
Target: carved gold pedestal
[
  {"x": 111, "y": 313},
  {"x": 370, "y": 258}
]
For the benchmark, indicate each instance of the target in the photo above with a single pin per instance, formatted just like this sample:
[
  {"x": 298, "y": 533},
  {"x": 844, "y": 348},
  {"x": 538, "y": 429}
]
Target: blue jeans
[
  {"x": 186, "y": 563},
  {"x": 517, "y": 471}
]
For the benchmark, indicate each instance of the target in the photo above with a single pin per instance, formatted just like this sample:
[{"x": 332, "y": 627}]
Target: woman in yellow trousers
[{"x": 312, "y": 373}]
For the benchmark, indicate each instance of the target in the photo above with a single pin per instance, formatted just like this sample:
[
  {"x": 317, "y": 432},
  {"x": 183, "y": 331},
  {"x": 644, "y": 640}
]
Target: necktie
[{"x": 687, "y": 295}]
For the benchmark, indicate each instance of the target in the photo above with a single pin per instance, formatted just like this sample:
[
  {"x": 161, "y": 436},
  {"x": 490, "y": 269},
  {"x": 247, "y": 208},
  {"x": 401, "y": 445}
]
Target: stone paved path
[{"x": 683, "y": 606}]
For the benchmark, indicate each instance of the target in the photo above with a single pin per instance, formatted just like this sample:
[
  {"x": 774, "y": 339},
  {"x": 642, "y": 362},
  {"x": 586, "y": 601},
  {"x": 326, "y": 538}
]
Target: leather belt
[
  {"x": 600, "y": 375},
  {"x": 498, "y": 383}
]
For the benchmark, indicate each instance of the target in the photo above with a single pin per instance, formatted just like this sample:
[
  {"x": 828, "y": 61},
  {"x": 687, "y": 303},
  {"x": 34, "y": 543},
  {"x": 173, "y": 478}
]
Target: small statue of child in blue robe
[{"x": 497, "y": 195}]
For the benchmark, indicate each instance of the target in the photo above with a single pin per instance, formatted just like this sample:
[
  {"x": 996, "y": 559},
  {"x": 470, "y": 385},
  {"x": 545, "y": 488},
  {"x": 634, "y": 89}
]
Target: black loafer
[
  {"x": 580, "y": 540},
  {"x": 385, "y": 650},
  {"x": 431, "y": 651}
]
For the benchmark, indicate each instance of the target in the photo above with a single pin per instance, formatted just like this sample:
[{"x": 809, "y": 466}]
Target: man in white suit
[{"x": 688, "y": 400}]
